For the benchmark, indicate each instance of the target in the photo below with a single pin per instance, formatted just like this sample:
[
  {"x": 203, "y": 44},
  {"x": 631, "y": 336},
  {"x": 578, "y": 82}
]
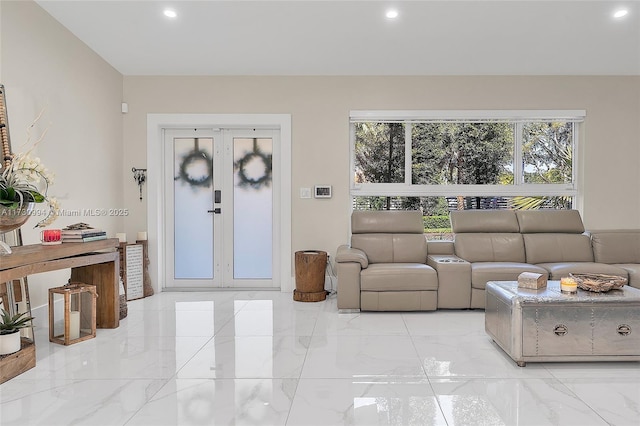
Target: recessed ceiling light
[
  {"x": 170, "y": 13},
  {"x": 391, "y": 14},
  {"x": 620, "y": 13}
]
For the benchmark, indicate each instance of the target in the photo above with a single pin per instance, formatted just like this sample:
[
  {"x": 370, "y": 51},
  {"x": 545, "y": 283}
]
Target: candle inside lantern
[
  {"x": 142, "y": 236},
  {"x": 122, "y": 237},
  {"x": 74, "y": 325}
]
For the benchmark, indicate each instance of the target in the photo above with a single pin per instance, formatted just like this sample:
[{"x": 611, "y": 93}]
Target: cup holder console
[{"x": 451, "y": 260}]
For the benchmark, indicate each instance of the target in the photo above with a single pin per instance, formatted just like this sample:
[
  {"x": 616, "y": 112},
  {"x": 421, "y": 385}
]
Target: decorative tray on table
[{"x": 599, "y": 282}]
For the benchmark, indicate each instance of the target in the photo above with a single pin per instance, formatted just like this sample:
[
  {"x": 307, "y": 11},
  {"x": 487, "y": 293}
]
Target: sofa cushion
[
  {"x": 553, "y": 248},
  {"x": 482, "y": 272},
  {"x": 399, "y": 300},
  {"x": 546, "y": 221},
  {"x": 398, "y": 277},
  {"x": 621, "y": 246},
  {"x": 389, "y": 248},
  {"x": 397, "y": 221},
  {"x": 633, "y": 269},
  {"x": 483, "y": 221},
  {"x": 490, "y": 247},
  {"x": 558, "y": 270}
]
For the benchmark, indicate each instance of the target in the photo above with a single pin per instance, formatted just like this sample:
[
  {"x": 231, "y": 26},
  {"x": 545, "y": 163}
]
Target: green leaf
[
  {"x": 36, "y": 196},
  {"x": 10, "y": 323},
  {"x": 9, "y": 204}
]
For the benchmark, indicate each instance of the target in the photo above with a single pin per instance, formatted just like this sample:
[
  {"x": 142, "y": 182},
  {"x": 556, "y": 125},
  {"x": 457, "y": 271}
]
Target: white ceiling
[{"x": 430, "y": 37}]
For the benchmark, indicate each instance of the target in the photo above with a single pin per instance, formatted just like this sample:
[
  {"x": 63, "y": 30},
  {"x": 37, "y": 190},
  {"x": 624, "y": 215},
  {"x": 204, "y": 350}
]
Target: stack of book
[{"x": 82, "y": 234}]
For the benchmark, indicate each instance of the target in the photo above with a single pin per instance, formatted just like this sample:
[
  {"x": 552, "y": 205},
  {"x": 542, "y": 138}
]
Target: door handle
[{"x": 215, "y": 211}]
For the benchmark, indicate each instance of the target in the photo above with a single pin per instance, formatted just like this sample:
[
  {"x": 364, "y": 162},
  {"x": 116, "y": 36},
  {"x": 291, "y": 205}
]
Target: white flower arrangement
[{"x": 25, "y": 180}]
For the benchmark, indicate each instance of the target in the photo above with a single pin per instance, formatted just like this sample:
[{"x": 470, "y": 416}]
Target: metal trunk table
[{"x": 547, "y": 325}]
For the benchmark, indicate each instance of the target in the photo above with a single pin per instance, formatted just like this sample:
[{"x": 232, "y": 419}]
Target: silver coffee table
[{"x": 547, "y": 325}]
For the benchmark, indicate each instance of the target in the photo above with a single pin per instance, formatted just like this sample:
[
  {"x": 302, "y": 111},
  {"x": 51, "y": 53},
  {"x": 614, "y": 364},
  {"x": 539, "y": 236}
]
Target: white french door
[{"x": 219, "y": 208}]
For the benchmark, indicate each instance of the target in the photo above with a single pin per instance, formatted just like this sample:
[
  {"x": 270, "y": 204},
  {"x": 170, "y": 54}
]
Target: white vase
[{"x": 9, "y": 343}]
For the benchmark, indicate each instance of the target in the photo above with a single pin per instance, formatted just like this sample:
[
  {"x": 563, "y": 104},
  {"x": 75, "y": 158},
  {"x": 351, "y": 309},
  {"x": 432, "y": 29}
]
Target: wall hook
[{"x": 140, "y": 176}]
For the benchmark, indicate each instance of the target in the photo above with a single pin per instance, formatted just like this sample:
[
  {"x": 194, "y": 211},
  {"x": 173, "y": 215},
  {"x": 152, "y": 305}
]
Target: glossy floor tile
[{"x": 260, "y": 358}]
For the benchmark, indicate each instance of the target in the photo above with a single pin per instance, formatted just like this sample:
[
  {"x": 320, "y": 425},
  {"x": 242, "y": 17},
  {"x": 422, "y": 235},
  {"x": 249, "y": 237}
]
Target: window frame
[{"x": 517, "y": 117}]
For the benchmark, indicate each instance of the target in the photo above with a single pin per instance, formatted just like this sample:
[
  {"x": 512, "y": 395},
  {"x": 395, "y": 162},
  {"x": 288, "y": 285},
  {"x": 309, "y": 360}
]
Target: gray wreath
[
  {"x": 258, "y": 182},
  {"x": 188, "y": 160}
]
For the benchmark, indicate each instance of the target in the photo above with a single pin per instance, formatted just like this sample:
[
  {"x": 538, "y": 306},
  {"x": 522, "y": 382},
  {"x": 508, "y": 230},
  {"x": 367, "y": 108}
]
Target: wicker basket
[
  {"x": 599, "y": 282},
  {"x": 123, "y": 306}
]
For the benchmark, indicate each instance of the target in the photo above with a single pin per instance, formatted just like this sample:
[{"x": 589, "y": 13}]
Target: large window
[{"x": 438, "y": 161}]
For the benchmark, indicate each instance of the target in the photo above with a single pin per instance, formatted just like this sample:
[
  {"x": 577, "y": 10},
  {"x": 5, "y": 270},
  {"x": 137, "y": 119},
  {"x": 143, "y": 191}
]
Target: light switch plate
[{"x": 305, "y": 192}]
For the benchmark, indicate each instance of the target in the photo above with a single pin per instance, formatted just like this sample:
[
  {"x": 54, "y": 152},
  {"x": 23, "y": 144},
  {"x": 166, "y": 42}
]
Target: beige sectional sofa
[{"x": 389, "y": 266}]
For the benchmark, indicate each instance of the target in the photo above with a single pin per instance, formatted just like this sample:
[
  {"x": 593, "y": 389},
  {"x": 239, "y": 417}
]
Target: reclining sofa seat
[
  {"x": 384, "y": 268},
  {"x": 556, "y": 241},
  {"x": 621, "y": 248},
  {"x": 491, "y": 241}
]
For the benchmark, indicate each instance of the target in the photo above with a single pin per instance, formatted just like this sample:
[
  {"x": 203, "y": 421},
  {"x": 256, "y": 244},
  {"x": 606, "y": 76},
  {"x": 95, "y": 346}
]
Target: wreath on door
[
  {"x": 263, "y": 179},
  {"x": 191, "y": 166}
]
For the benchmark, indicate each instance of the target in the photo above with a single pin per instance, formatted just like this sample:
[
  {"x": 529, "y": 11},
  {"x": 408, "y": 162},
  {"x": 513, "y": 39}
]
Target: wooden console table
[{"x": 95, "y": 262}]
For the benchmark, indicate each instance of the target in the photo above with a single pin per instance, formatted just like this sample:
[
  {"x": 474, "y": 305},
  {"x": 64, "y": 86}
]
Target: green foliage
[
  {"x": 435, "y": 223},
  {"x": 379, "y": 152},
  {"x": 461, "y": 153},
  {"x": 547, "y": 152},
  {"x": 534, "y": 203},
  {"x": 10, "y": 324},
  {"x": 548, "y": 158}
]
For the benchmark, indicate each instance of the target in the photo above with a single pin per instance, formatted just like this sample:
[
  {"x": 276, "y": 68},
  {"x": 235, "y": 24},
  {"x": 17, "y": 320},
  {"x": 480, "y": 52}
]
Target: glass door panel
[
  {"x": 252, "y": 208},
  {"x": 193, "y": 193},
  {"x": 192, "y": 230}
]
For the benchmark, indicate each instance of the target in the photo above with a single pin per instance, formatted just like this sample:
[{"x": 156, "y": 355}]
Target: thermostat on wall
[{"x": 322, "y": 191}]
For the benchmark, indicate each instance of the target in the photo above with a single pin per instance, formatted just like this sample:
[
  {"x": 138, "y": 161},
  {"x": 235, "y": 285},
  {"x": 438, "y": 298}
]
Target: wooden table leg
[{"x": 105, "y": 277}]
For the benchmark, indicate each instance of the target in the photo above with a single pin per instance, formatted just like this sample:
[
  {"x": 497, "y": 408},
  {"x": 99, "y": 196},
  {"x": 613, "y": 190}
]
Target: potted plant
[
  {"x": 10, "y": 331},
  {"x": 24, "y": 182}
]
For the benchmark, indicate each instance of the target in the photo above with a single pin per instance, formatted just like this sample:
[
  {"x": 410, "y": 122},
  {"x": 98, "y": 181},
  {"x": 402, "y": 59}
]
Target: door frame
[{"x": 156, "y": 123}]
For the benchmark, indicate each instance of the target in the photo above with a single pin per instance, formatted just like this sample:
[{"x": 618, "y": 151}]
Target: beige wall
[
  {"x": 320, "y": 107},
  {"x": 44, "y": 66}
]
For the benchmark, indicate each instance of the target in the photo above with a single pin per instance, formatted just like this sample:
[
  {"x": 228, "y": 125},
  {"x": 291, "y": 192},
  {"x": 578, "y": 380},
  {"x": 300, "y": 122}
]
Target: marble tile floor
[{"x": 260, "y": 358}]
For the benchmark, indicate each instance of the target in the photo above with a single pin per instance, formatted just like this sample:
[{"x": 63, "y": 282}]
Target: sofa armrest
[
  {"x": 454, "y": 281},
  {"x": 442, "y": 247},
  {"x": 346, "y": 254},
  {"x": 349, "y": 264}
]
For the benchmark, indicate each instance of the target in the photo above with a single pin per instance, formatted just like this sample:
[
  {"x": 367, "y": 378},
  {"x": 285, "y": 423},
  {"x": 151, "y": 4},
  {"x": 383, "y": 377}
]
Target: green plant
[
  {"x": 436, "y": 221},
  {"x": 10, "y": 324}
]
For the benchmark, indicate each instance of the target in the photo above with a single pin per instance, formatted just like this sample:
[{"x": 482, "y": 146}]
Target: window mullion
[
  {"x": 574, "y": 155},
  {"x": 408, "y": 161},
  {"x": 352, "y": 154},
  {"x": 518, "y": 172}
]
